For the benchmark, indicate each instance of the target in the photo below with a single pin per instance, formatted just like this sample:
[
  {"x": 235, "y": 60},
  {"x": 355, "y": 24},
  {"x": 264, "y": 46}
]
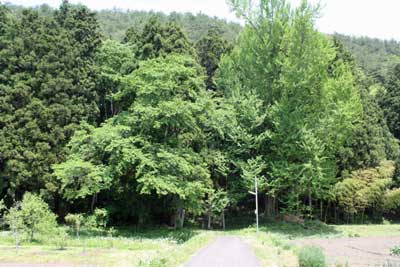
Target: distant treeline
[{"x": 114, "y": 23}]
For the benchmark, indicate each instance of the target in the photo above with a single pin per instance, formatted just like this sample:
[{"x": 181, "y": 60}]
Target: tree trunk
[
  {"x": 310, "y": 203},
  {"x": 223, "y": 220},
  {"x": 362, "y": 217},
  {"x": 16, "y": 241},
  {"x": 94, "y": 199},
  {"x": 181, "y": 216},
  {"x": 209, "y": 219},
  {"x": 335, "y": 212},
  {"x": 321, "y": 210},
  {"x": 112, "y": 108},
  {"x": 326, "y": 211},
  {"x": 78, "y": 229},
  {"x": 270, "y": 207},
  {"x": 266, "y": 213},
  {"x": 173, "y": 220}
]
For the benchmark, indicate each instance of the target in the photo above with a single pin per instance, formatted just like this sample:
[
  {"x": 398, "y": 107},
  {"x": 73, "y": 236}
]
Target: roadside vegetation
[{"x": 274, "y": 245}]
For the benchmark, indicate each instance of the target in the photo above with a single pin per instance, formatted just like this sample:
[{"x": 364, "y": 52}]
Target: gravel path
[
  {"x": 224, "y": 252},
  {"x": 361, "y": 251}
]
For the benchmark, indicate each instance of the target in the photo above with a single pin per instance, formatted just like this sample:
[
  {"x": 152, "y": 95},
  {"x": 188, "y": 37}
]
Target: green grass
[
  {"x": 311, "y": 256},
  {"x": 169, "y": 248},
  {"x": 371, "y": 230},
  {"x": 129, "y": 247},
  {"x": 271, "y": 249},
  {"x": 291, "y": 231}
]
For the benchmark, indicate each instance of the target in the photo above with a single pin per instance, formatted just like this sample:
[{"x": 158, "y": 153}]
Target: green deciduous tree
[
  {"x": 311, "y": 110},
  {"x": 36, "y": 215},
  {"x": 151, "y": 149},
  {"x": 13, "y": 218},
  {"x": 80, "y": 179}
]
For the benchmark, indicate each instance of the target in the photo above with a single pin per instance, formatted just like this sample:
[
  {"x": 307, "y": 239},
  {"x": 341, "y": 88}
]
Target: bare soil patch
[{"x": 361, "y": 251}]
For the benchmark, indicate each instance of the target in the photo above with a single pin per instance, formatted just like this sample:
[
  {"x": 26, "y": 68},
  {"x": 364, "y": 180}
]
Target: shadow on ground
[
  {"x": 291, "y": 230},
  {"x": 294, "y": 231},
  {"x": 180, "y": 236}
]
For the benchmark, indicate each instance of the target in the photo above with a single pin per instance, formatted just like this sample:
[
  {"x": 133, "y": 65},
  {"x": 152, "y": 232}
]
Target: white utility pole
[{"x": 255, "y": 193}]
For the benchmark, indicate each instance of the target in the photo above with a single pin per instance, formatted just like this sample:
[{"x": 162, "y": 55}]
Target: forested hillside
[
  {"x": 376, "y": 57},
  {"x": 145, "y": 119},
  {"x": 114, "y": 23}
]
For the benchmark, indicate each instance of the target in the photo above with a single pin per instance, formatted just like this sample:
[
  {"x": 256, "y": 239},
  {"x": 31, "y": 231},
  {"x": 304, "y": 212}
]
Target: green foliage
[
  {"x": 80, "y": 178},
  {"x": 390, "y": 100},
  {"x": 13, "y": 218},
  {"x": 36, "y": 215},
  {"x": 395, "y": 251},
  {"x": 152, "y": 145},
  {"x": 303, "y": 98},
  {"x": 98, "y": 219},
  {"x": 310, "y": 256},
  {"x": 32, "y": 216},
  {"x": 210, "y": 50},
  {"x": 371, "y": 141},
  {"x": 152, "y": 127},
  {"x": 114, "y": 23},
  {"x": 217, "y": 201},
  {"x": 376, "y": 57},
  {"x": 159, "y": 40},
  {"x": 116, "y": 58},
  {"x": 60, "y": 238},
  {"x": 2, "y": 206},
  {"x": 101, "y": 217},
  {"x": 76, "y": 221},
  {"x": 365, "y": 188},
  {"x": 47, "y": 86},
  {"x": 391, "y": 203}
]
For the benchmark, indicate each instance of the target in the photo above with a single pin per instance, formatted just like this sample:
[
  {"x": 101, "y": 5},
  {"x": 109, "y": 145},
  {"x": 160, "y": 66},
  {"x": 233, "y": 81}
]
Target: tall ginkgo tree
[{"x": 310, "y": 109}]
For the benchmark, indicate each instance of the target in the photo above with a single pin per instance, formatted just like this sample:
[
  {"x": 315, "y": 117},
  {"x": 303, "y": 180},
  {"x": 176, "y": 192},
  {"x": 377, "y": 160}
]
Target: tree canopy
[{"x": 143, "y": 118}]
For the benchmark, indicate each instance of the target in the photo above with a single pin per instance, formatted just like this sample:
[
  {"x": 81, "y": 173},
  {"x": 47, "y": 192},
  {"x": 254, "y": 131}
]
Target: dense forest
[
  {"x": 163, "y": 120},
  {"x": 115, "y": 23}
]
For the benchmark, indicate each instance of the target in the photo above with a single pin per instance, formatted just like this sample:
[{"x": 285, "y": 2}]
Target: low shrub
[
  {"x": 311, "y": 256},
  {"x": 157, "y": 262},
  {"x": 97, "y": 220},
  {"x": 395, "y": 251},
  {"x": 60, "y": 238},
  {"x": 75, "y": 221},
  {"x": 351, "y": 234},
  {"x": 391, "y": 201}
]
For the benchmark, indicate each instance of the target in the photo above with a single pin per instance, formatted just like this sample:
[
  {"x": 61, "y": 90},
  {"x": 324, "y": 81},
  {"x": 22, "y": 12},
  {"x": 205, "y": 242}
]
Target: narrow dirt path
[{"x": 225, "y": 252}]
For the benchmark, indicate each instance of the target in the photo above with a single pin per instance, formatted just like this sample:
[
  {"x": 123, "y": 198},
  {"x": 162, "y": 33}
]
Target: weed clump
[
  {"x": 395, "y": 251},
  {"x": 311, "y": 256}
]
